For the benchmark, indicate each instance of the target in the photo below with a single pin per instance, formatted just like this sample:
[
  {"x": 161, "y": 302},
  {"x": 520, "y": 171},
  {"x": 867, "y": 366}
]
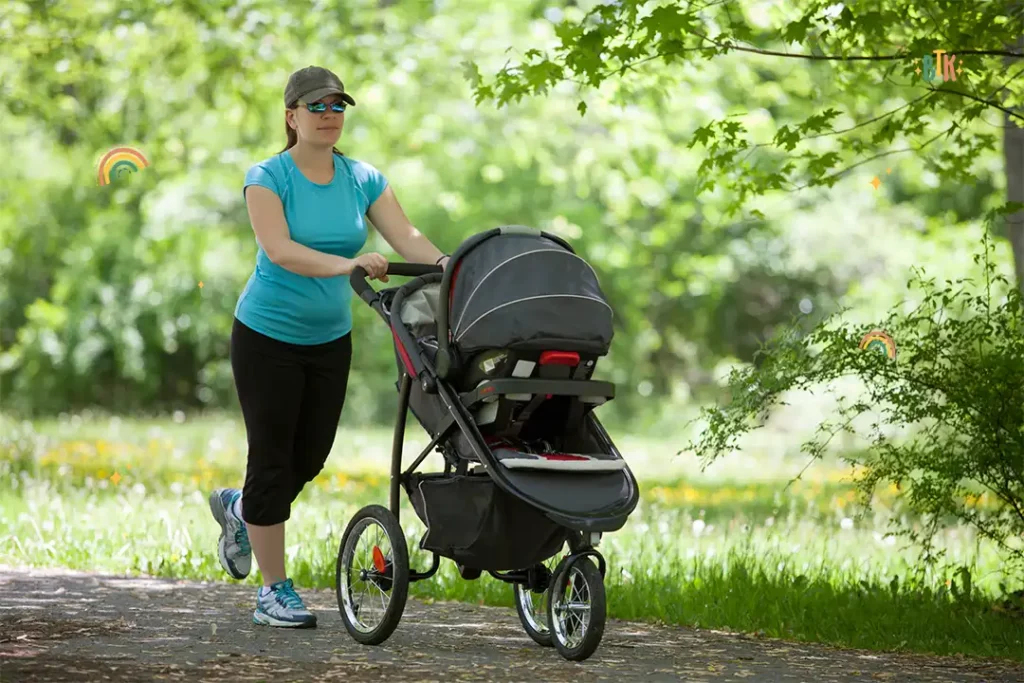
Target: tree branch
[
  {"x": 879, "y": 156},
  {"x": 857, "y": 125},
  {"x": 850, "y": 58},
  {"x": 650, "y": 58},
  {"x": 982, "y": 100}
]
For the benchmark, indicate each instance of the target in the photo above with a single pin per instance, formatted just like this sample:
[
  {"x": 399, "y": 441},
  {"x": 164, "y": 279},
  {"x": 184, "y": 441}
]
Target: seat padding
[{"x": 559, "y": 462}]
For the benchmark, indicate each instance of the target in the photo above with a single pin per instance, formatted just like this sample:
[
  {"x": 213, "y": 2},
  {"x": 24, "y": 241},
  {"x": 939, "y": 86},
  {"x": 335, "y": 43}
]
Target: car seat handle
[{"x": 367, "y": 293}]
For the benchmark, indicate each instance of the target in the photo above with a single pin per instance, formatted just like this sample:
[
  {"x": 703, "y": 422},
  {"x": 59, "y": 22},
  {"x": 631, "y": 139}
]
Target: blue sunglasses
[{"x": 321, "y": 107}]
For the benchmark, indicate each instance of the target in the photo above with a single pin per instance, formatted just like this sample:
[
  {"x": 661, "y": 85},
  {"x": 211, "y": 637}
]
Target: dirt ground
[{"x": 66, "y": 626}]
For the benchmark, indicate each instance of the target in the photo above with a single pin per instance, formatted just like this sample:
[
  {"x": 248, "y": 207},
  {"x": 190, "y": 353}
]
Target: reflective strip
[
  {"x": 518, "y": 230},
  {"x": 533, "y": 298},
  {"x": 564, "y": 465},
  {"x": 465, "y": 306}
]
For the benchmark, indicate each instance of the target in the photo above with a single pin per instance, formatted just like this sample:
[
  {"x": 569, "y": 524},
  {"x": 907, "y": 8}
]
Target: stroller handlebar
[{"x": 368, "y": 294}]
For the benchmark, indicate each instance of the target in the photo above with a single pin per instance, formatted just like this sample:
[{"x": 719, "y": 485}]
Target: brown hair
[{"x": 293, "y": 137}]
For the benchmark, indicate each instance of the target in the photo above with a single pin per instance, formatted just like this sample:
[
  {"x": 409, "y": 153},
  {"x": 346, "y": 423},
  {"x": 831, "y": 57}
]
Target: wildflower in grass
[
  {"x": 846, "y": 524},
  {"x": 698, "y": 527}
]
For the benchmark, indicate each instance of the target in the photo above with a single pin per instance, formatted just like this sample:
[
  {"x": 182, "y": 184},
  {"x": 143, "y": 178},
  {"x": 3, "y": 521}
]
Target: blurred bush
[{"x": 944, "y": 419}]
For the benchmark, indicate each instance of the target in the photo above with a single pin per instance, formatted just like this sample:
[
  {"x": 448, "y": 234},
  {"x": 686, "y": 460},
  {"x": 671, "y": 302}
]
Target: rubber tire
[
  {"x": 598, "y": 611},
  {"x": 400, "y": 577},
  {"x": 542, "y": 639}
]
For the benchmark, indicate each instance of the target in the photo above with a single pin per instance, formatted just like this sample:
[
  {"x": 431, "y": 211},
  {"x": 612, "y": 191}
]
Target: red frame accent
[
  {"x": 410, "y": 368},
  {"x": 570, "y": 358},
  {"x": 562, "y": 456}
]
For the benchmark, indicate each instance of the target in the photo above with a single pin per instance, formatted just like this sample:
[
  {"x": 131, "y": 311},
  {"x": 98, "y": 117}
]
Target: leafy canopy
[{"x": 874, "y": 52}]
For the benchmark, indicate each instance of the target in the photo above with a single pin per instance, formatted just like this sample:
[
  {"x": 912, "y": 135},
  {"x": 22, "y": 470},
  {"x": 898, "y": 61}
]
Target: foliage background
[{"x": 100, "y": 304}]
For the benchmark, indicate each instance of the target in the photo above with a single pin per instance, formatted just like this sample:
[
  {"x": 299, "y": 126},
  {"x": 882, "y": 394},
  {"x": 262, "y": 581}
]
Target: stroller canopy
[{"x": 527, "y": 292}]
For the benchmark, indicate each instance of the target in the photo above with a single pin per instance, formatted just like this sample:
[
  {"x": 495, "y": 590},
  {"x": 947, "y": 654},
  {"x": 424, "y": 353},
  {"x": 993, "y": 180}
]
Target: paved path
[{"x": 65, "y": 626}]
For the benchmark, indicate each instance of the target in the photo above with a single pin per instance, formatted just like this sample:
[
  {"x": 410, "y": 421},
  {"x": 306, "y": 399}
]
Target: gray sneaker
[
  {"x": 233, "y": 549},
  {"x": 281, "y": 606}
]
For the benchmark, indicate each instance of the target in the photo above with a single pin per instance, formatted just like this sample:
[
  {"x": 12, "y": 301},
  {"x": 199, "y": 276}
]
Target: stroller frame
[
  {"x": 583, "y": 534},
  {"x": 579, "y": 544}
]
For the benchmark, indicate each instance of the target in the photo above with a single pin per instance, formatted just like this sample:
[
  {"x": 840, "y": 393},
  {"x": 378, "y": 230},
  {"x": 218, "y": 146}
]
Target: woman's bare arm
[
  {"x": 387, "y": 216},
  {"x": 266, "y": 214}
]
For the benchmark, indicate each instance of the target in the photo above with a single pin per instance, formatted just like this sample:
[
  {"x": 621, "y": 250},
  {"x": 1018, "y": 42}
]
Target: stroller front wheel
[
  {"x": 372, "y": 575},
  {"x": 576, "y": 609}
]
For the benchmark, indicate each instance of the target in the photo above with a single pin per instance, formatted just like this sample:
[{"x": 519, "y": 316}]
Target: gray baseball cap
[{"x": 312, "y": 83}]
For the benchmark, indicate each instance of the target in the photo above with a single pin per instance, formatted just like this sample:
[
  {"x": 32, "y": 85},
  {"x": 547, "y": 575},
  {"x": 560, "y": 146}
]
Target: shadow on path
[{"x": 68, "y": 626}]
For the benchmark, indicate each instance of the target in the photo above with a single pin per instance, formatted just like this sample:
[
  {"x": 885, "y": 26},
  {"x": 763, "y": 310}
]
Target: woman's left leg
[{"x": 323, "y": 398}]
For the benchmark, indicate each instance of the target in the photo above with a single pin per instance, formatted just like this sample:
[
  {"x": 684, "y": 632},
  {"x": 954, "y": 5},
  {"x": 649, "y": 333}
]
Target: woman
[{"x": 291, "y": 341}]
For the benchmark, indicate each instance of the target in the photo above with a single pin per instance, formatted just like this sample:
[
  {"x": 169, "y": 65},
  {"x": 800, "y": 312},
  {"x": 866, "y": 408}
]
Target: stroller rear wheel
[
  {"x": 372, "y": 575},
  {"x": 531, "y": 602},
  {"x": 576, "y": 609}
]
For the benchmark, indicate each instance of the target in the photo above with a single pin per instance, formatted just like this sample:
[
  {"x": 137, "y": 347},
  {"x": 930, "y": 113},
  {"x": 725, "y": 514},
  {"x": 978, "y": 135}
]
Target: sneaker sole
[
  {"x": 220, "y": 514},
  {"x": 264, "y": 619}
]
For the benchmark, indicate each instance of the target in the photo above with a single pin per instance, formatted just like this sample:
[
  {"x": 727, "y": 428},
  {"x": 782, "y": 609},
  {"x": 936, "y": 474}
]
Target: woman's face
[{"x": 321, "y": 129}]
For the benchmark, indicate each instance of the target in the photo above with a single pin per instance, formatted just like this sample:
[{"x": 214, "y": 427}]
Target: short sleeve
[
  {"x": 373, "y": 181},
  {"x": 262, "y": 176}
]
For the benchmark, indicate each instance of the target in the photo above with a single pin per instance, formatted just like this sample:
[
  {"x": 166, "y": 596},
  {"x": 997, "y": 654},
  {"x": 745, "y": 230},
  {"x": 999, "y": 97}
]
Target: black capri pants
[{"x": 291, "y": 397}]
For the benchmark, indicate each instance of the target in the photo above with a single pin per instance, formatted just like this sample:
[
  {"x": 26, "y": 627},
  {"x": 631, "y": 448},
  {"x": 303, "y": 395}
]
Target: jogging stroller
[{"x": 495, "y": 357}]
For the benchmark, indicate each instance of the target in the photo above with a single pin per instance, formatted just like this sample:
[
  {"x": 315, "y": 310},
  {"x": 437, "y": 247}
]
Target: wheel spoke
[
  {"x": 362, "y": 603},
  {"x": 372, "y": 574},
  {"x": 572, "y": 609}
]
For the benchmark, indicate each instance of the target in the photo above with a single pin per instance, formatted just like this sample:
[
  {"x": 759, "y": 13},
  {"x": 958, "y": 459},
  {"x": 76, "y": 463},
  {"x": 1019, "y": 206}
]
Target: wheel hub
[{"x": 538, "y": 578}]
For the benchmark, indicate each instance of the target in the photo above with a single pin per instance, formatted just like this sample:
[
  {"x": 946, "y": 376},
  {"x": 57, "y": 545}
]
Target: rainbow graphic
[
  {"x": 120, "y": 162},
  {"x": 880, "y": 341}
]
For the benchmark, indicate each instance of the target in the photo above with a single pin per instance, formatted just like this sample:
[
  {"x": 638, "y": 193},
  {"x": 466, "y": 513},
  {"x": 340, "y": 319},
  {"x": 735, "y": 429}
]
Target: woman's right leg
[{"x": 269, "y": 378}]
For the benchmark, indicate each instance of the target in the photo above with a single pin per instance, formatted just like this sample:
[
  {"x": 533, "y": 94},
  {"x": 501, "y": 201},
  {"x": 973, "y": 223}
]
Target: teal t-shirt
[{"x": 329, "y": 218}]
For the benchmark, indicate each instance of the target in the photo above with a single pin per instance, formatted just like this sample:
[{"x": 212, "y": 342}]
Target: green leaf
[
  {"x": 669, "y": 21},
  {"x": 796, "y": 31},
  {"x": 471, "y": 72},
  {"x": 701, "y": 136}
]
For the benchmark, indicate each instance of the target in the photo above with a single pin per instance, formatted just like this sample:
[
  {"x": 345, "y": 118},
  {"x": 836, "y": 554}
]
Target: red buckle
[{"x": 570, "y": 358}]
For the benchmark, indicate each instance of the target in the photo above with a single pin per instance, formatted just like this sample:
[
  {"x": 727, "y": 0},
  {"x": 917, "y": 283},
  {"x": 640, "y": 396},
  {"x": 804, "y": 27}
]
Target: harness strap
[{"x": 513, "y": 429}]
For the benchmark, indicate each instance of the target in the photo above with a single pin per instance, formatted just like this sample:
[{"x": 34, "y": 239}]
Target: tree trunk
[{"x": 1013, "y": 155}]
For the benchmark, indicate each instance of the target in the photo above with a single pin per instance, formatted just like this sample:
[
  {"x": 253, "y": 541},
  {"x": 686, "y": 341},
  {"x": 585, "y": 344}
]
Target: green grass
[{"x": 734, "y": 548}]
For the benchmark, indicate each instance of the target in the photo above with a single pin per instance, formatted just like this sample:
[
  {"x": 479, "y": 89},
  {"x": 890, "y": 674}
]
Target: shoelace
[
  {"x": 287, "y": 596},
  {"x": 241, "y": 533},
  {"x": 242, "y": 540}
]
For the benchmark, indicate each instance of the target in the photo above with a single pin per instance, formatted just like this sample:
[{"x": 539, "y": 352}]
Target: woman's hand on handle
[{"x": 375, "y": 265}]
